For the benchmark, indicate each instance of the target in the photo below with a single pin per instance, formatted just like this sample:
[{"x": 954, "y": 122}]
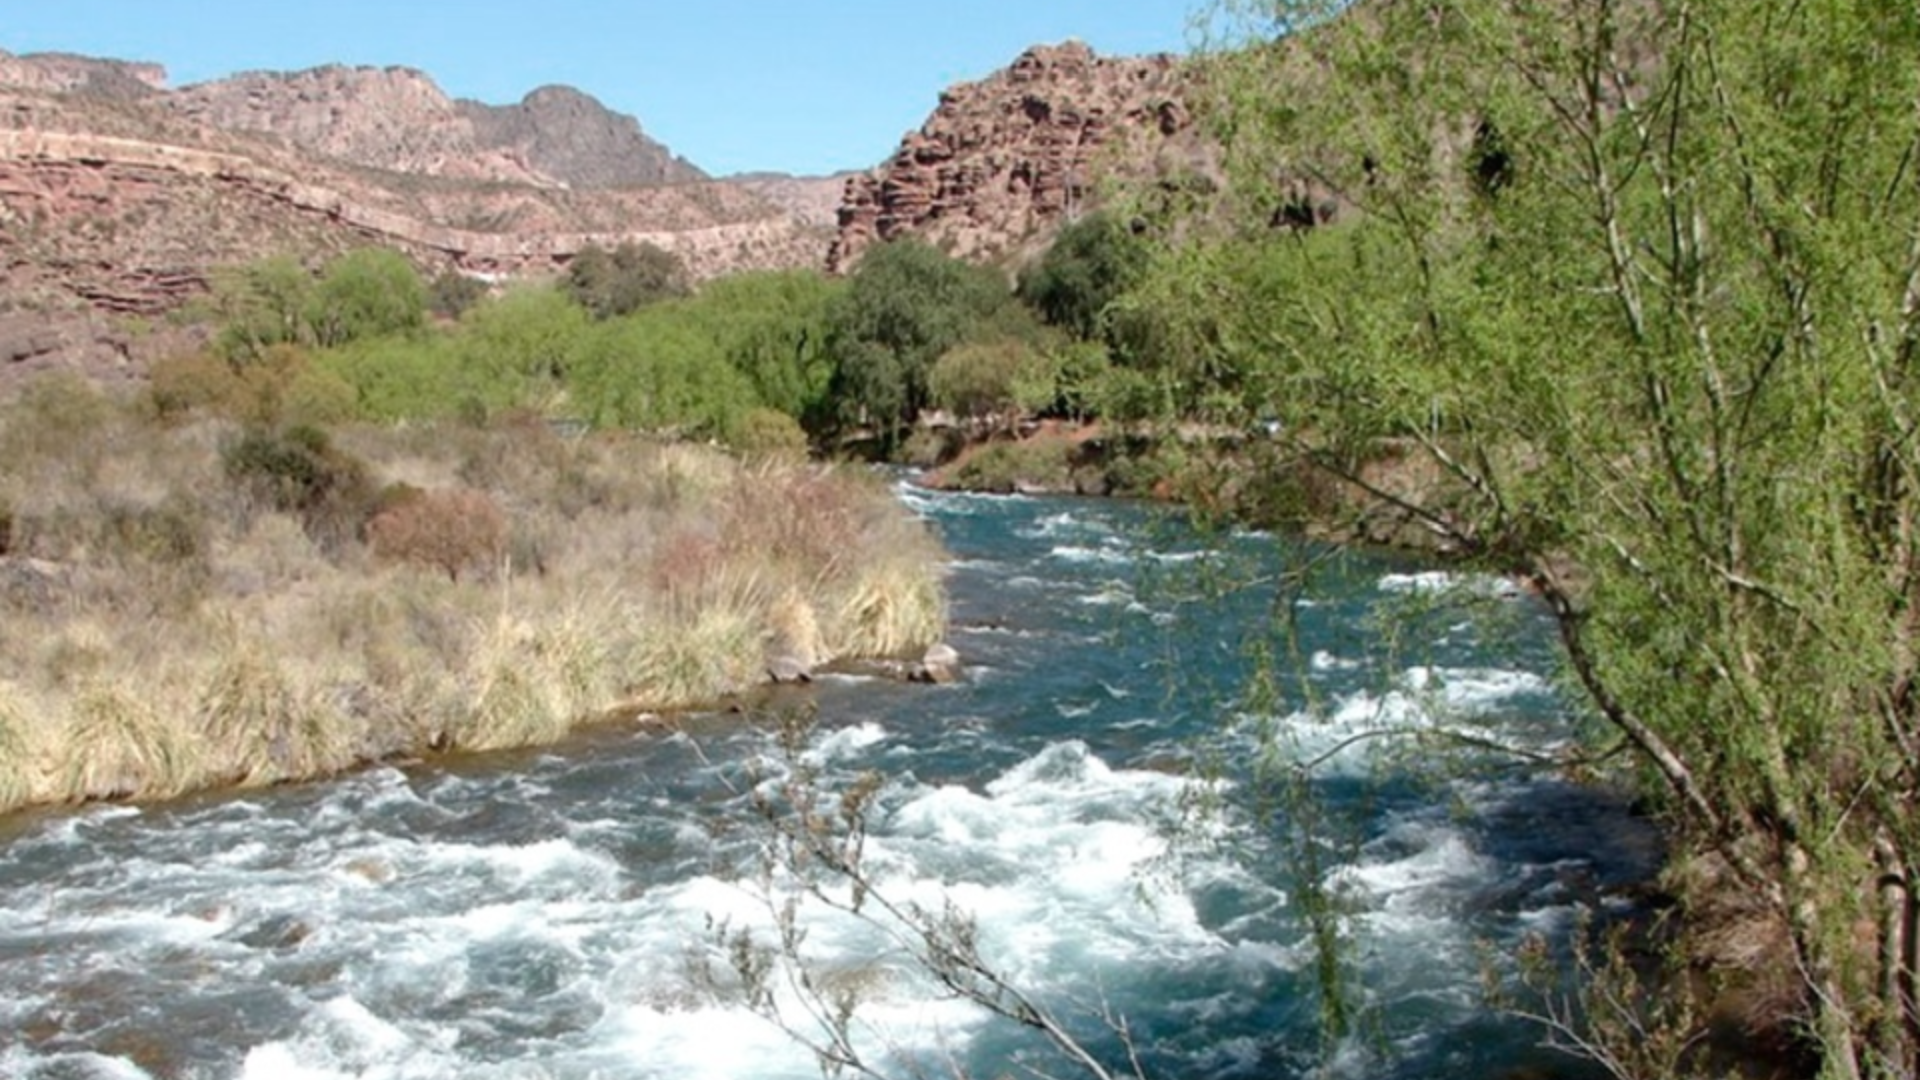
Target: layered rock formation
[
  {"x": 398, "y": 119},
  {"x": 813, "y": 200},
  {"x": 1010, "y": 156},
  {"x": 123, "y": 199},
  {"x": 66, "y": 73},
  {"x": 120, "y": 198}
]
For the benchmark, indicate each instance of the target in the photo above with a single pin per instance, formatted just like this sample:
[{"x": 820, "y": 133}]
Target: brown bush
[{"x": 455, "y": 530}]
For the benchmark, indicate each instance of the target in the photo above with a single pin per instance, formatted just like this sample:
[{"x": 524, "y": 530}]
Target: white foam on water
[
  {"x": 342, "y": 1039},
  {"x": 846, "y": 742},
  {"x": 16, "y": 1061},
  {"x": 1433, "y": 582},
  {"x": 1325, "y": 661},
  {"x": 1181, "y": 558},
  {"x": 925, "y": 502},
  {"x": 1110, "y": 594},
  {"x": 1433, "y": 857},
  {"x": 1080, "y": 553},
  {"x": 1364, "y": 725}
]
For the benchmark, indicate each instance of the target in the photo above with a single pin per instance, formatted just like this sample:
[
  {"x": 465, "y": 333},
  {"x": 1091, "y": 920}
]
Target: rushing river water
[{"x": 535, "y": 915}]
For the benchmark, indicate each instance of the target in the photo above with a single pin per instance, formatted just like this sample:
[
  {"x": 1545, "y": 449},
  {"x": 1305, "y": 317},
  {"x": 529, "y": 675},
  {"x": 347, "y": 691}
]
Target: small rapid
[{"x": 1090, "y": 795}]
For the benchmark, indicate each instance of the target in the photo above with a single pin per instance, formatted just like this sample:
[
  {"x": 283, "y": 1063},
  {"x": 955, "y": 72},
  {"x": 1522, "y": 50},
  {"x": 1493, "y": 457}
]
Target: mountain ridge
[{"x": 120, "y": 197}]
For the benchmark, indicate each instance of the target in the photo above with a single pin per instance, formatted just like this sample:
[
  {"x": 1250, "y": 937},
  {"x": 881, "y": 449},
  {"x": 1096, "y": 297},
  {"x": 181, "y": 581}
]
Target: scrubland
[{"x": 187, "y": 602}]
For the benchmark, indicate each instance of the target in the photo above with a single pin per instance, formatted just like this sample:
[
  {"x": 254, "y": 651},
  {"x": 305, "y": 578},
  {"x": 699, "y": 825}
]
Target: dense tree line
[{"x": 622, "y": 340}]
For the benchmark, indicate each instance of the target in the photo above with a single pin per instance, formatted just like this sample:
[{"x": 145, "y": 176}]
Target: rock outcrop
[
  {"x": 813, "y": 200},
  {"x": 398, "y": 119},
  {"x": 1012, "y": 155},
  {"x": 65, "y": 73},
  {"x": 119, "y": 198},
  {"x": 565, "y": 134}
]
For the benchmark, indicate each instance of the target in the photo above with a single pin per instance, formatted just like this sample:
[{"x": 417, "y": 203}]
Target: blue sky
[{"x": 732, "y": 85}]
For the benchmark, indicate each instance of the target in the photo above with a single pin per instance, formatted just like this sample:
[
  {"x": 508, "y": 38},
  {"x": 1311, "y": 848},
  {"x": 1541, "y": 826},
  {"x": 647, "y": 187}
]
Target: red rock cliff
[{"x": 1013, "y": 154}]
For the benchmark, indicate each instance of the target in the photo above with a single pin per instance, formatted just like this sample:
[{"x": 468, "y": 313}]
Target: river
[{"x": 539, "y": 914}]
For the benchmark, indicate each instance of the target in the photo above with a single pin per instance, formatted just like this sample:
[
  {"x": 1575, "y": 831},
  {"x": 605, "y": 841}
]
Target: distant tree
[
  {"x": 531, "y": 333},
  {"x": 906, "y": 304},
  {"x": 622, "y": 281},
  {"x": 773, "y": 328},
  {"x": 662, "y": 370},
  {"x": 452, "y": 293},
  {"x": 260, "y": 305},
  {"x": 1092, "y": 263},
  {"x": 985, "y": 379},
  {"x": 366, "y": 293}
]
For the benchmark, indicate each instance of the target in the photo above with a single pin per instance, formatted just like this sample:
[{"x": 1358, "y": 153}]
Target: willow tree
[{"x": 1638, "y": 281}]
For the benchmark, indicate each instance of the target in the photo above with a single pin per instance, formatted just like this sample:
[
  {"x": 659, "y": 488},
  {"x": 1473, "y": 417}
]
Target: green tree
[
  {"x": 530, "y": 332},
  {"x": 1666, "y": 370},
  {"x": 659, "y": 370},
  {"x": 260, "y": 305},
  {"x": 985, "y": 379},
  {"x": 366, "y": 293},
  {"x": 773, "y": 328},
  {"x": 1092, "y": 263},
  {"x": 451, "y": 293},
  {"x": 622, "y": 281},
  {"x": 905, "y": 305}
]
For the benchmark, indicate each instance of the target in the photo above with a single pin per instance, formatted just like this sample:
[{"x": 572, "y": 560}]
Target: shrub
[
  {"x": 452, "y": 531},
  {"x": 452, "y": 293},
  {"x": 768, "y": 433},
  {"x": 372, "y": 292},
  {"x": 171, "y": 533},
  {"x": 624, "y": 280},
  {"x": 299, "y": 471},
  {"x": 981, "y": 379},
  {"x": 1010, "y": 466},
  {"x": 279, "y": 386}
]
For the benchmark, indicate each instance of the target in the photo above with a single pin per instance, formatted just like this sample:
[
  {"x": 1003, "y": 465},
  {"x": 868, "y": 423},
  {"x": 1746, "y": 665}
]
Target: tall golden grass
[{"x": 162, "y": 629}]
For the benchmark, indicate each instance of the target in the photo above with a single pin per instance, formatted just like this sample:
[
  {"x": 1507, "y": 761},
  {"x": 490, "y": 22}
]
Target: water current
[{"x": 538, "y": 915}]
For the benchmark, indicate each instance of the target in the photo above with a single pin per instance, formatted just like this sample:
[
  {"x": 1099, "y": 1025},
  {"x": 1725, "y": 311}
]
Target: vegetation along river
[{"x": 539, "y": 914}]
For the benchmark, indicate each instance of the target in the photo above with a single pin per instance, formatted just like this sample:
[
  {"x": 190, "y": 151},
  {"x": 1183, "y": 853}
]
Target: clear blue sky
[{"x": 802, "y": 86}]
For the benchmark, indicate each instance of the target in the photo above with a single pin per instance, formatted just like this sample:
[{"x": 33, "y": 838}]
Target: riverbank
[
  {"x": 547, "y": 911},
  {"x": 1732, "y": 993},
  {"x": 188, "y": 604},
  {"x": 1218, "y": 474}
]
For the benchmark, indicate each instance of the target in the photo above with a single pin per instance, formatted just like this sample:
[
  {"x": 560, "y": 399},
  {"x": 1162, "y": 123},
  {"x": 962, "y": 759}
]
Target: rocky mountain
[
  {"x": 398, "y": 119},
  {"x": 569, "y": 135},
  {"x": 119, "y": 197},
  {"x": 1004, "y": 160},
  {"x": 814, "y": 200},
  {"x": 67, "y": 73}
]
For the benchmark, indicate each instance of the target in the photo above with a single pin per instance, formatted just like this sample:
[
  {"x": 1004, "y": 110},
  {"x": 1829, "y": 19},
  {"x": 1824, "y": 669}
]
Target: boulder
[
  {"x": 786, "y": 669},
  {"x": 939, "y": 665}
]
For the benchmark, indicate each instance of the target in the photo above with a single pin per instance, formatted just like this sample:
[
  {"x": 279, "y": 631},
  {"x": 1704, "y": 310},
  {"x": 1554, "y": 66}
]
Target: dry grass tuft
[
  {"x": 16, "y": 750},
  {"x": 121, "y": 746},
  {"x": 183, "y": 608}
]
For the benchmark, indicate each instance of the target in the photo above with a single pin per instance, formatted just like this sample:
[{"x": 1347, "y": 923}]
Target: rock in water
[{"x": 940, "y": 664}]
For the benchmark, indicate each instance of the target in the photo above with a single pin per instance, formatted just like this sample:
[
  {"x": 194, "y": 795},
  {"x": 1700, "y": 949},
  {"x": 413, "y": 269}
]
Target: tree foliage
[
  {"x": 1662, "y": 326},
  {"x": 369, "y": 292},
  {"x": 906, "y": 304},
  {"x": 1092, "y": 263},
  {"x": 260, "y": 305},
  {"x": 986, "y": 378},
  {"x": 366, "y": 293},
  {"x": 622, "y": 281}
]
